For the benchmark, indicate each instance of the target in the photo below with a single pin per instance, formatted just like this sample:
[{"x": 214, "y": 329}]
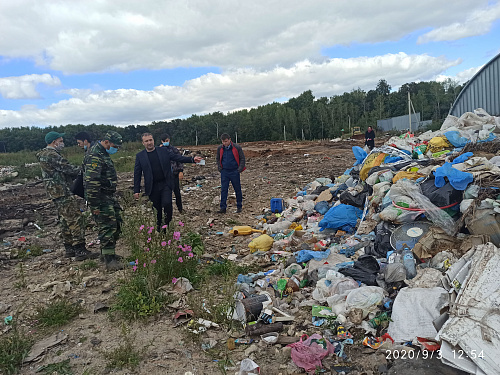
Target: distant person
[
  {"x": 370, "y": 138},
  {"x": 58, "y": 175},
  {"x": 100, "y": 181},
  {"x": 230, "y": 162},
  {"x": 155, "y": 164},
  {"x": 177, "y": 169}
]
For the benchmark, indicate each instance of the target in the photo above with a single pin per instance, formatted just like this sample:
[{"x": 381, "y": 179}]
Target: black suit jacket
[{"x": 142, "y": 166}]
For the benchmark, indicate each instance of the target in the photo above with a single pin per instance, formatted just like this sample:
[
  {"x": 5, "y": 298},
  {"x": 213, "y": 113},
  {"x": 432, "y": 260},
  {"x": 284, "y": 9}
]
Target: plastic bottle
[{"x": 409, "y": 263}]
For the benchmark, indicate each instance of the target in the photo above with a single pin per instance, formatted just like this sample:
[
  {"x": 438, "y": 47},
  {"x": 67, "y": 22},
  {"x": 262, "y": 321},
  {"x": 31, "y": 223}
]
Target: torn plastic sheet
[{"x": 474, "y": 323}]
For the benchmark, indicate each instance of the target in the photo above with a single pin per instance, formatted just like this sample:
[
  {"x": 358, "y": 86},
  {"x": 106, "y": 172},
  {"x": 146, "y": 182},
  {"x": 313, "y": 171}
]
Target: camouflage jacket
[
  {"x": 176, "y": 166},
  {"x": 57, "y": 173},
  {"x": 100, "y": 176}
]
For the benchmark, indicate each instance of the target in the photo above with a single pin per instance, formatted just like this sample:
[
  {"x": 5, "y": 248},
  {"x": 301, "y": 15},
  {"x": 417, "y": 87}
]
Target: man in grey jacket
[{"x": 230, "y": 162}]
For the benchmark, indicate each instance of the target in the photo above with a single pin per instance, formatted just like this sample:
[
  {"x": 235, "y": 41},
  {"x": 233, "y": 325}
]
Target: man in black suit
[{"x": 154, "y": 163}]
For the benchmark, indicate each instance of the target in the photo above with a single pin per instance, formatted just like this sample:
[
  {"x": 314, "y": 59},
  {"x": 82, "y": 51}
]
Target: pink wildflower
[
  {"x": 147, "y": 249},
  {"x": 149, "y": 239},
  {"x": 181, "y": 223},
  {"x": 153, "y": 261},
  {"x": 144, "y": 264},
  {"x": 190, "y": 255},
  {"x": 134, "y": 268},
  {"x": 174, "y": 280},
  {"x": 163, "y": 243},
  {"x": 180, "y": 260},
  {"x": 141, "y": 228},
  {"x": 177, "y": 253},
  {"x": 150, "y": 230},
  {"x": 164, "y": 226},
  {"x": 137, "y": 261},
  {"x": 177, "y": 236},
  {"x": 169, "y": 242}
]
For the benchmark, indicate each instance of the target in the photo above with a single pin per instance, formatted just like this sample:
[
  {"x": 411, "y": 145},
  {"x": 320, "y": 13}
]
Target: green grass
[
  {"x": 126, "y": 354},
  {"x": 89, "y": 265},
  {"x": 14, "y": 347},
  {"x": 57, "y": 313},
  {"x": 59, "y": 368},
  {"x": 226, "y": 269}
]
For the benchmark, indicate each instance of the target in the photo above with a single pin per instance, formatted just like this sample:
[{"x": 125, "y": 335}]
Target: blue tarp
[
  {"x": 462, "y": 158},
  {"x": 343, "y": 217},
  {"x": 322, "y": 207},
  {"x": 455, "y": 139}
]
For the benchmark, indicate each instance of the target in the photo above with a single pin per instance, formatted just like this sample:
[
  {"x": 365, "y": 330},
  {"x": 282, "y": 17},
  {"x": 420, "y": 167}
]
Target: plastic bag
[
  {"x": 261, "y": 243},
  {"x": 458, "y": 179},
  {"x": 328, "y": 288},
  {"x": 359, "y": 154},
  {"x": 398, "y": 215},
  {"x": 308, "y": 354},
  {"x": 249, "y": 367},
  {"x": 436, "y": 215},
  {"x": 342, "y": 217},
  {"x": 365, "y": 298}
]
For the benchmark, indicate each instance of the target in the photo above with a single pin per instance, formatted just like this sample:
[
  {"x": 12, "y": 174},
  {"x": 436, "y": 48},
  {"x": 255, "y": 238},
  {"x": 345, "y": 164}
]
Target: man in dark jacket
[
  {"x": 177, "y": 169},
  {"x": 370, "y": 138},
  {"x": 230, "y": 162},
  {"x": 154, "y": 163}
]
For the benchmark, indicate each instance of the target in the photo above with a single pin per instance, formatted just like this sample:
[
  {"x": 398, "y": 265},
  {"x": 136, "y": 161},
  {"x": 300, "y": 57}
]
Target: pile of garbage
[{"x": 402, "y": 249}]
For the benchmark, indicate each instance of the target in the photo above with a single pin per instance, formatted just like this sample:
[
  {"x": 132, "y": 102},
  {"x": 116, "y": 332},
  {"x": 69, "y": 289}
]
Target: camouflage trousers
[
  {"x": 109, "y": 222},
  {"x": 70, "y": 220}
]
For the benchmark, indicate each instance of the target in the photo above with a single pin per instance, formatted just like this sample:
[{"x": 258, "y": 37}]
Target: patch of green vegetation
[
  {"x": 59, "y": 368},
  {"x": 14, "y": 347},
  {"x": 126, "y": 354},
  {"x": 57, "y": 313},
  {"x": 226, "y": 269},
  {"x": 21, "y": 277},
  {"x": 232, "y": 222},
  {"x": 89, "y": 265}
]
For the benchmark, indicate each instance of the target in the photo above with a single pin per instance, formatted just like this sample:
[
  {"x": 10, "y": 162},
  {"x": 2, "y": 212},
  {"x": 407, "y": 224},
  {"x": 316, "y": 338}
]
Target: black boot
[
  {"x": 112, "y": 263},
  {"x": 81, "y": 253},
  {"x": 70, "y": 251}
]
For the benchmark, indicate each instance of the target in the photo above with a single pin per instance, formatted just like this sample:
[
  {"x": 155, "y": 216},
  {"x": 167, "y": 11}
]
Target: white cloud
[
  {"x": 239, "y": 88},
  {"x": 479, "y": 22},
  {"x": 24, "y": 87},
  {"x": 96, "y": 36},
  {"x": 460, "y": 77}
]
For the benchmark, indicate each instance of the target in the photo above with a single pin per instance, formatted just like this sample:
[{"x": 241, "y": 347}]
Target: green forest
[{"x": 304, "y": 117}]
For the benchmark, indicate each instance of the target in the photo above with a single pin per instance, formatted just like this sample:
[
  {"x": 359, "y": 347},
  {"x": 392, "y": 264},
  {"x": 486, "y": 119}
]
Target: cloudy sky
[{"x": 132, "y": 62}]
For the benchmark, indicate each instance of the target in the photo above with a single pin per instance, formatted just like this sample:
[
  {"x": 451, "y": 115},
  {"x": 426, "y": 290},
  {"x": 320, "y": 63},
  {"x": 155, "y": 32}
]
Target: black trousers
[
  {"x": 161, "y": 196},
  {"x": 177, "y": 192}
]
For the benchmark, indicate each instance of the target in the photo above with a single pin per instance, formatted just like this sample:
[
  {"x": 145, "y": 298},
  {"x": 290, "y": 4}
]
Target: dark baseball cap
[{"x": 52, "y": 136}]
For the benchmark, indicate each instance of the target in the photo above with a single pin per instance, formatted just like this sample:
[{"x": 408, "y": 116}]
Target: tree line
[{"x": 302, "y": 118}]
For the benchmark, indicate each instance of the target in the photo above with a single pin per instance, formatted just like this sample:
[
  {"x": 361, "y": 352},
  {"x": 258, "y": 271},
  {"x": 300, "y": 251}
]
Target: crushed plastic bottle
[{"x": 409, "y": 262}]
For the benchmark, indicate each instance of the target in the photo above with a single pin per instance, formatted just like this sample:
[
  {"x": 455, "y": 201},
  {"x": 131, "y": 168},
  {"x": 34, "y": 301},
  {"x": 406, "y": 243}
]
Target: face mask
[
  {"x": 85, "y": 147},
  {"x": 166, "y": 143},
  {"x": 59, "y": 146},
  {"x": 112, "y": 150}
]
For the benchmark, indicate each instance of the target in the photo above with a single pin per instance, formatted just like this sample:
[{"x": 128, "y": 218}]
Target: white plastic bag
[{"x": 365, "y": 298}]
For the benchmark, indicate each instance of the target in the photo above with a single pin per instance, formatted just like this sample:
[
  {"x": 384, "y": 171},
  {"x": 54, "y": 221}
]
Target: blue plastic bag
[
  {"x": 455, "y": 139},
  {"x": 306, "y": 255},
  {"x": 458, "y": 179},
  {"x": 322, "y": 207},
  {"x": 462, "y": 158},
  {"x": 392, "y": 159},
  {"x": 343, "y": 217},
  {"x": 359, "y": 154}
]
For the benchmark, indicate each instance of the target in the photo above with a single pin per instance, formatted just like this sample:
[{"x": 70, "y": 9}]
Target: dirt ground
[{"x": 274, "y": 169}]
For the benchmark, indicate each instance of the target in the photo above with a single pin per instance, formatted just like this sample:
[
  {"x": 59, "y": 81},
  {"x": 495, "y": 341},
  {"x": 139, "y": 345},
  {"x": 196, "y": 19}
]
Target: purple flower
[
  {"x": 181, "y": 223},
  {"x": 150, "y": 230},
  {"x": 141, "y": 228},
  {"x": 137, "y": 261},
  {"x": 149, "y": 239},
  {"x": 190, "y": 255},
  {"x": 165, "y": 226},
  {"x": 180, "y": 260},
  {"x": 153, "y": 261},
  {"x": 177, "y": 236},
  {"x": 144, "y": 264},
  {"x": 169, "y": 242},
  {"x": 163, "y": 243},
  {"x": 174, "y": 280},
  {"x": 134, "y": 268},
  {"x": 146, "y": 249}
]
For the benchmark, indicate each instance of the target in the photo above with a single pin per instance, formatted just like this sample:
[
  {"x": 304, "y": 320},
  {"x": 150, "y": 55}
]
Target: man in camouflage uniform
[
  {"x": 100, "y": 182},
  {"x": 58, "y": 175}
]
